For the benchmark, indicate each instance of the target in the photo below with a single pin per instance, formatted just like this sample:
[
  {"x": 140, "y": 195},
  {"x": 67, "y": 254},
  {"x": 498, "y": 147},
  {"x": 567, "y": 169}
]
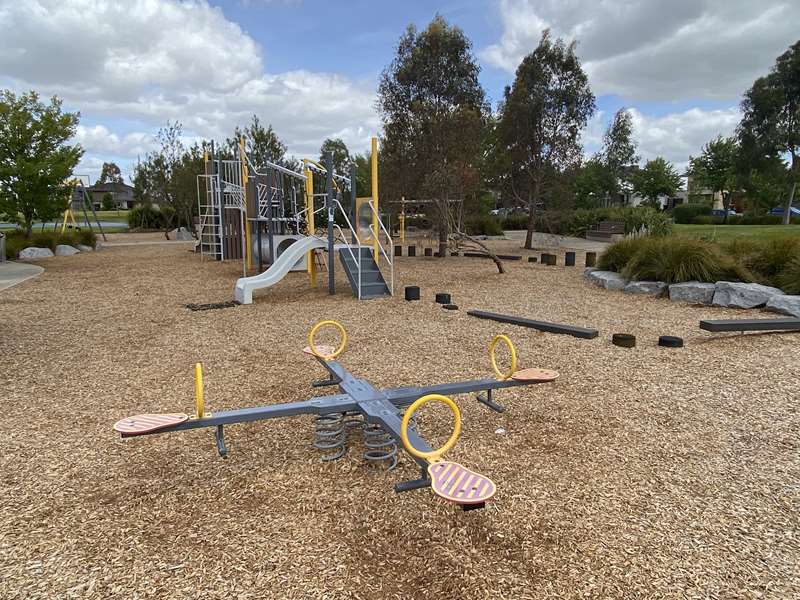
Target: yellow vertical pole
[
  {"x": 312, "y": 266},
  {"x": 375, "y": 225},
  {"x": 199, "y": 402},
  {"x": 248, "y": 251}
]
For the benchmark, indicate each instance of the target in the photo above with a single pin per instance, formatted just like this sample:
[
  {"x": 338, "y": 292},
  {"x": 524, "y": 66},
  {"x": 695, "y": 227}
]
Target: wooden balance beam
[
  {"x": 751, "y": 325},
  {"x": 579, "y": 332}
]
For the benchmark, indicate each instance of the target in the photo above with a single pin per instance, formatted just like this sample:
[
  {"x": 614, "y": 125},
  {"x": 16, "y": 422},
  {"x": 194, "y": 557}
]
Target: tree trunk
[
  {"x": 787, "y": 211},
  {"x": 443, "y": 238},
  {"x": 533, "y": 199},
  {"x": 726, "y": 202}
]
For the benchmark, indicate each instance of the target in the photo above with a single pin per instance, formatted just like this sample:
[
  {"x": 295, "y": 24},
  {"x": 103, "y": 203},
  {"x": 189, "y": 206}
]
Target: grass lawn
[{"x": 725, "y": 232}]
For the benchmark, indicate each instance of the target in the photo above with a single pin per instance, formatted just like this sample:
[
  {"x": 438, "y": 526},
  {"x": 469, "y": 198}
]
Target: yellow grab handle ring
[
  {"x": 199, "y": 403},
  {"x": 492, "y": 346},
  {"x": 338, "y": 350},
  {"x": 433, "y": 455}
]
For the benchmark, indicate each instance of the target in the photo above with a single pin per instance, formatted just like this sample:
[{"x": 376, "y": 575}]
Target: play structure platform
[{"x": 388, "y": 412}]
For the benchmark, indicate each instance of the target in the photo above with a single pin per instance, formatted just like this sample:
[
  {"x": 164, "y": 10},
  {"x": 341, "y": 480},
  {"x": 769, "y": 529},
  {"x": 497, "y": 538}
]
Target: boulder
[
  {"x": 785, "y": 305},
  {"x": 646, "y": 288},
  {"x": 588, "y": 271},
  {"x": 608, "y": 280},
  {"x": 181, "y": 234},
  {"x": 695, "y": 292},
  {"x": 84, "y": 248},
  {"x": 33, "y": 252},
  {"x": 66, "y": 250},
  {"x": 743, "y": 295}
]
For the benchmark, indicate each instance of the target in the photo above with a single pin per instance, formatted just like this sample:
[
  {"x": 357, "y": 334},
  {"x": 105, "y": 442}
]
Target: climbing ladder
[
  {"x": 210, "y": 217},
  {"x": 372, "y": 284}
]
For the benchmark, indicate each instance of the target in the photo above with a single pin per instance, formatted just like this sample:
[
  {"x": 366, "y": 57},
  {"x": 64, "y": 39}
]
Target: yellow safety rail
[
  {"x": 492, "y": 346},
  {"x": 433, "y": 455},
  {"x": 338, "y": 350},
  {"x": 199, "y": 403}
]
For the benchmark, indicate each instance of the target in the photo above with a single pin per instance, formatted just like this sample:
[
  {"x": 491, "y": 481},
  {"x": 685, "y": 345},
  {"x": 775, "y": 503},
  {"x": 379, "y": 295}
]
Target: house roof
[{"x": 110, "y": 187}]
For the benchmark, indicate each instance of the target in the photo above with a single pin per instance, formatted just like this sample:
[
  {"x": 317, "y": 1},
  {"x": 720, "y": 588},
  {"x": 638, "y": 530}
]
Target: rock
[
  {"x": 646, "y": 288},
  {"x": 66, "y": 250},
  {"x": 181, "y": 234},
  {"x": 785, "y": 305},
  {"x": 608, "y": 280},
  {"x": 84, "y": 248},
  {"x": 743, "y": 295},
  {"x": 695, "y": 292},
  {"x": 588, "y": 271},
  {"x": 33, "y": 252}
]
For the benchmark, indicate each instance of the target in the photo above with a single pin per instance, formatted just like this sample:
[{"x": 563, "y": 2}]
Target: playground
[{"x": 642, "y": 472}]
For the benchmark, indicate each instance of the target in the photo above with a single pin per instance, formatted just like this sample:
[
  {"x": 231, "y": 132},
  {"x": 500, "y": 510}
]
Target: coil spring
[
  {"x": 329, "y": 436},
  {"x": 381, "y": 447}
]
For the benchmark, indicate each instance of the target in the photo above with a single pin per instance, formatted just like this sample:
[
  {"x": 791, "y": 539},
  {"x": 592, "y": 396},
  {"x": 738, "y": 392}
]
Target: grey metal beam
[
  {"x": 751, "y": 325},
  {"x": 579, "y": 332},
  {"x": 315, "y": 406}
]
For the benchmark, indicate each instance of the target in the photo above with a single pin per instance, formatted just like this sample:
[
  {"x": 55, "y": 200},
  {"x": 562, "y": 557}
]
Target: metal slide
[{"x": 243, "y": 292}]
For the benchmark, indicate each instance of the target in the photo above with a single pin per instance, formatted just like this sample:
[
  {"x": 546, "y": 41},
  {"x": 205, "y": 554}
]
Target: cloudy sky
[{"x": 310, "y": 67}]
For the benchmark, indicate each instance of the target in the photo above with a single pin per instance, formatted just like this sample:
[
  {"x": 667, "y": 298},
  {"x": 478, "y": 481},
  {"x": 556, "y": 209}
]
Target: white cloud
[
  {"x": 147, "y": 61},
  {"x": 655, "y": 50},
  {"x": 675, "y": 136}
]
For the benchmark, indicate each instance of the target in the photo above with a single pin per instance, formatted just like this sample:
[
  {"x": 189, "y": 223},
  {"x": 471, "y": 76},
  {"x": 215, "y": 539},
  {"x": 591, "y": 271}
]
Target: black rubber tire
[
  {"x": 450, "y": 306},
  {"x": 442, "y": 298},
  {"x": 623, "y": 340},
  {"x": 412, "y": 292},
  {"x": 670, "y": 341}
]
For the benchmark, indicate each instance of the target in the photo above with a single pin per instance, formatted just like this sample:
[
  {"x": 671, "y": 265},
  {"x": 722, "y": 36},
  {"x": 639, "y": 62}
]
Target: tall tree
[
  {"x": 110, "y": 173},
  {"x": 772, "y": 115},
  {"x": 657, "y": 178},
  {"x": 716, "y": 169},
  {"x": 261, "y": 143},
  {"x": 541, "y": 119},
  {"x": 35, "y": 158},
  {"x": 433, "y": 108},
  {"x": 619, "y": 150},
  {"x": 341, "y": 155}
]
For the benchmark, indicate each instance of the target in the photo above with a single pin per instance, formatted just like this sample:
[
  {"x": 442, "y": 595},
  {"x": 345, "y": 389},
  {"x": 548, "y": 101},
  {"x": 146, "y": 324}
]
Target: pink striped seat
[
  {"x": 456, "y": 483},
  {"x": 139, "y": 424}
]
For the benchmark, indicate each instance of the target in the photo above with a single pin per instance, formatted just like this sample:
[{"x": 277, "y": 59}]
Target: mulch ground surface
[{"x": 648, "y": 472}]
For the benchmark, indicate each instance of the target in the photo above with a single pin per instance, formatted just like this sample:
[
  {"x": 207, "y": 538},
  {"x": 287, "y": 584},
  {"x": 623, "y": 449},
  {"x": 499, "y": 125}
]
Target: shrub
[
  {"x": 16, "y": 240},
  {"x": 675, "y": 259},
  {"x": 145, "y": 216},
  {"x": 515, "y": 222},
  {"x": 789, "y": 278},
  {"x": 483, "y": 225},
  {"x": 657, "y": 223},
  {"x": 707, "y": 220},
  {"x": 619, "y": 254},
  {"x": 685, "y": 213}
]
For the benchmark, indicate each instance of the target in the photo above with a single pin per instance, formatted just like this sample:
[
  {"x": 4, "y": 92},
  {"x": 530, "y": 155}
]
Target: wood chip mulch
[{"x": 647, "y": 472}]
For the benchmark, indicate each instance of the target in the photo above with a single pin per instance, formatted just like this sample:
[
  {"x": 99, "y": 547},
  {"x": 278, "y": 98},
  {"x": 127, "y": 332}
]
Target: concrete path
[
  {"x": 12, "y": 273},
  {"x": 549, "y": 240}
]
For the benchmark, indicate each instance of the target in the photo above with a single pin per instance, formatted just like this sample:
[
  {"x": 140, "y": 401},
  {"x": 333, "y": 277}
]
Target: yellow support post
[
  {"x": 312, "y": 266},
  {"x": 248, "y": 251},
  {"x": 375, "y": 213}
]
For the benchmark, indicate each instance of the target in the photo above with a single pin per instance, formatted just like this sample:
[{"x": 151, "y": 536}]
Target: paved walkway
[
  {"x": 12, "y": 273},
  {"x": 549, "y": 240}
]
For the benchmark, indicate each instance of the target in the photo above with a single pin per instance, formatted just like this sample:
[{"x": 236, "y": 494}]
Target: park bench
[{"x": 607, "y": 231}]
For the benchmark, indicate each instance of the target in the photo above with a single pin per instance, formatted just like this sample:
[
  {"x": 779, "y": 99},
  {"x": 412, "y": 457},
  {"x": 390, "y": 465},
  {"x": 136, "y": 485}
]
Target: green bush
[
  {"x": 685, "y": 213},
  {"x": 16, "y": 240},
  {"x": 675, "y": 259},
  {"x": 515, "y": 222},
  {"x": 789, "y": 278},
  {"x": 707, "y": 220},
  {"x": 148, "y": 217},
  {"x": 634, "y": 218},
  {"x": 483, "y": 225},
  {"x": 618, "y": 255}
]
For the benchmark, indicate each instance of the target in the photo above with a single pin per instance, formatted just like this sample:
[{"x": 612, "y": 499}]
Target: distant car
[
  {"x": 778, "y": 210},
  {"x": 720, "y": 212}
]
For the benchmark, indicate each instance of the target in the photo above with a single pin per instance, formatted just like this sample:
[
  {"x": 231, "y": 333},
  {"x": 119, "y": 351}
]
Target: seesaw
[{"x": 390, "y": 411}]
